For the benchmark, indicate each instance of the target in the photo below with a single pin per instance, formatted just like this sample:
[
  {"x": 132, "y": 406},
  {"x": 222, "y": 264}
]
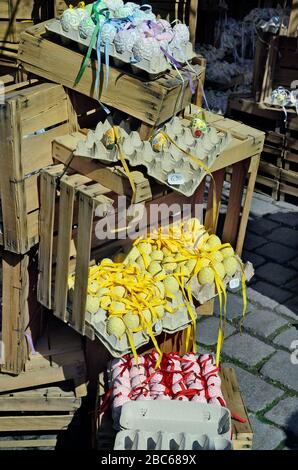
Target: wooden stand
[{"x": 242, "y": 434}]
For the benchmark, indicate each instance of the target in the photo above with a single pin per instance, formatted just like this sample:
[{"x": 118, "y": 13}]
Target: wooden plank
[
  {"x": 210, "y": 223},
  {"x": 242, "y": 432},
  {"x": 86, "y": 211},
  {"x": 293, "y": 24},
  {"x": 68, "y": 186},
  {"x": 27, "y": 443},
  {"x": 45, "y": 404},
  {"x": 142, "y": 99},
  {"x": 253, "y": 171},
  {"x": 46, "y": 228},
  {"x": 34, "y": 423},
  {"x": 43, "y": 376},
  {"x": 14, "y": 320},
  {"x": 232, "y": 220}
]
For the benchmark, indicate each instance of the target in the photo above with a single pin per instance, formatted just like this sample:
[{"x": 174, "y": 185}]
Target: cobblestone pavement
[{"x": 264, "y": 355}]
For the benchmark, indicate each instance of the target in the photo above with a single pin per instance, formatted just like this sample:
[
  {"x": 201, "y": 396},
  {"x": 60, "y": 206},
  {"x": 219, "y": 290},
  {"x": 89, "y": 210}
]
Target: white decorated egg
[{"x": 124, "y": 40}]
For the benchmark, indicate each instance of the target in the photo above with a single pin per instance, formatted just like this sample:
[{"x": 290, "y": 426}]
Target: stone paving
[{"x": 264, "y": 354}]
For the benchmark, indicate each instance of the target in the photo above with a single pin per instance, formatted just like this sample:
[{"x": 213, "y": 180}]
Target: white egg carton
[
  {"x": 169, "y": 163},
  {"x": 178, "y": 321},
  {"x": 142, "y": 440},
  {"x": 150, "y": 425},
  {"x": 207, "y": 292},
  {"x": 171, "y": 323},
  {"x": 167, "y": 415},
  {"x": 158, "y": 64}
]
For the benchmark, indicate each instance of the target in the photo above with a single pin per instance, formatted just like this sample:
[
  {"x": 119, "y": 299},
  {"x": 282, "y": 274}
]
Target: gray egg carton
[
  {"x": 155, "y": 66},
  {"x": 207, "y": 292},
  {"x": 165, "y": 416},
  {"x": 142, "y": 440},
  {"x": 170, "y": 162},
  {"x": 171, "y": 323}
]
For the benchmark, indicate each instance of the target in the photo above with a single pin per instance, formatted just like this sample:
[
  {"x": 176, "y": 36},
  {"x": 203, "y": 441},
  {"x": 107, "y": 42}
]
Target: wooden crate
[
  {"x": 41, "y": 412},
  {"x": 30, "y": 119},
  {"x": 152, "y": 102},
  {"x": 68, "y": 242},
  {"x": 281, "y": 67},
  {"x": 15, "y": 17},
  {"x": 184, "y": 10},
  {"x": 242, "y": 433},
  {"x": 22, "y": 317},
  {"x": 58, "y": 356}
]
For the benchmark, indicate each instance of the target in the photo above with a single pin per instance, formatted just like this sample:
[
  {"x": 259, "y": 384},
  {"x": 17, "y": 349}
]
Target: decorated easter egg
[
  {"x": 206, "y": 276},
  {"x": 131, "y": 320},
  {"x": 181, "y": 33},
  {"x": 154, "y": 268},
  {"x": 159, "y": 142},
  {"x": 119, "y": 258},
  {"x": 126, "y": 10},
  {"x": 70, "y": 19},
  {"x": 147, "y": 315},
  {"x": 161, "y": 289},
  {"x": 160, "y": 311},
  {"x": 145, "y": 247},
  {"x": 214, "y": 242},
  {"x": 117, "y": 307},
  {"x": 86, "y": 27},
  {"x": 124, "y": 40},
  {"x": 109, "y": 139},
  {"x": 171, "y": 285},
  {"x": 118, "y": 291},
  {"x": 157, "y": 255},
  {"x": 198, "y": 126},
  {"x": 227, "y": 252},
  {"x": 105, "y": 302},
  {"x": 113, "y": 4},
  {"x": 231, "y": 265},
  {"x": 92, "y": 304},
  {"x": 145, "y": 48},
  {"x": 220, "y": 269},
  {"x": 116, "y": 327},
  {"x": 143, "y": 14},
  {"x": 216, "y": 257},
  {"x": 108, "y": 33}
]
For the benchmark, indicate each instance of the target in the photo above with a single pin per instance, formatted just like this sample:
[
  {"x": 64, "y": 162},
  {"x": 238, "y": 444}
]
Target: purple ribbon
[
  {"x": 30, "y": 342},
  {"x": 179, "y": 67}
]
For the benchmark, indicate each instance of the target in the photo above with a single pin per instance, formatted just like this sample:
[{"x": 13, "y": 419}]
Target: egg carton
[
  {"x": 155, "y": 66},
  {"x": 171, "y": 323},
  {"x": 207, "y": 292},
  {"x": 171, "y": 166},
  {"x": 142, "y": 440},
  {"x": 166, "y": 415},
  {"x": 178, "y": 321}
]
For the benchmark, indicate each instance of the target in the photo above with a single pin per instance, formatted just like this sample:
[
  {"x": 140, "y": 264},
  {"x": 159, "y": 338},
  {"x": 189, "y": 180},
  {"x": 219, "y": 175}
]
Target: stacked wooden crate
[
  {"x": 277, "y": 169},
  {"x": 15, "y": 17}
]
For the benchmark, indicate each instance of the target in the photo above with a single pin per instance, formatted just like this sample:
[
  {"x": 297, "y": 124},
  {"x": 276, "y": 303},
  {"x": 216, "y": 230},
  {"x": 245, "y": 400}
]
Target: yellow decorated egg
[
  {"x": 147, "y": 315},
  {"x": 216, "y": 257},
  {"x": 214, "y": 242},
  {"x": 118, "y": 291},
  {"x": 131, "y": 320},
  {"x": 220, "y": 269},
  {"x": 231, "y": 265},
  {"x": 154, "y": 268},
  {"x": 206, "y": 276},
  {"x": 157, "y": 255},
  {"x": 161, "y": 289},
  {"x": 227, "y": 252},
  {"x": 145, "y": 248},
  {"x": 171, "y": 285},
  {"x": 116, "y": 327},
  {"x": 160, "y": 311},
  {"x": 117, "y": 307},
  {"x": 92, "y": 304},
  {"x": 119, "y": 258},
  {"x": 105, "y": 302}
]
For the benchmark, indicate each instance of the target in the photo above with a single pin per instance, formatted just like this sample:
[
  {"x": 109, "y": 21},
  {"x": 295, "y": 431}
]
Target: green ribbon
[{"x": 95, "y": 15}]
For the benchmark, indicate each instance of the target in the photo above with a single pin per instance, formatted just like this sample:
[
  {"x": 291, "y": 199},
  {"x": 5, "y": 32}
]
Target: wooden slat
[
  {"x": 144, "y": 100},
  {"x": 34, "y": 423},
  {"x": 27, "y": 443},
  {"x": 46, "y": 228},
  {"x": 253, "y": 171},
  {"x": 242, "y": 432},
  {"x": 68, "y": 187},
  {"x": 232, "y": 220},
  {"x": 293, "y": 24},
  {"x": 46, "y": 404}
]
